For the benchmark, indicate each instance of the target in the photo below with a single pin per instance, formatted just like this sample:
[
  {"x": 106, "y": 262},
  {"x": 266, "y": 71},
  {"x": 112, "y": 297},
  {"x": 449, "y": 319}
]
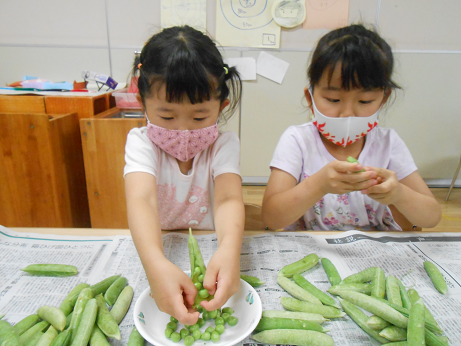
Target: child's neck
[
  {"x": 185, "y": 167},
  {"x": 342, "y": 153}
]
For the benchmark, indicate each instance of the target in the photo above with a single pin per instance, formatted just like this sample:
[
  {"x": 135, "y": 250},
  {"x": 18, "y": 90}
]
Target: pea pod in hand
[
  {"x": 197, "y": 270},
  {"x": 351, "y": 159}
]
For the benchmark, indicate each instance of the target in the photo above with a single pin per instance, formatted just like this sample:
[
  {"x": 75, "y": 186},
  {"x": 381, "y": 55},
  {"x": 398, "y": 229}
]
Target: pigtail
[{"x": 230, "y": 87}]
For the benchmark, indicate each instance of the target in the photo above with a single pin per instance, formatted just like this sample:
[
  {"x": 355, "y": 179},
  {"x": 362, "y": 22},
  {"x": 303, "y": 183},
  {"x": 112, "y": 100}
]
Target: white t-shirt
[
  {"x": 183, "y": 200},
  {"x": 301, "y": 153}
]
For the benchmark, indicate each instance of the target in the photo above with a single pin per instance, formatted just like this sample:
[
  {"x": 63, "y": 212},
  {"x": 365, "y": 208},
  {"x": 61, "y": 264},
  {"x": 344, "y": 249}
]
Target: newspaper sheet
[{"x": 399, "y": 254}]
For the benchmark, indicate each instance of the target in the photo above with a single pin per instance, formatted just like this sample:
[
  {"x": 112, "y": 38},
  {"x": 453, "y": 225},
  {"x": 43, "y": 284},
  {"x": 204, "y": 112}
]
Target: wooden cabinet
[
  {"x": 103, "y": 141},
  {"x": 22, "y": 104},
  {"x": 42, "y": 178},
  {"x": 85, "y": 106}
]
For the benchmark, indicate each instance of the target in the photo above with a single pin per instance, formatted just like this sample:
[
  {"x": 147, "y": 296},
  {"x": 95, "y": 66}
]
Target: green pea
[
  {"x": 184, "y": 332},
  {"x": 203, "y": 293},
  {"x": 194, "y": 327},
  {"x": 206, "y": 315},
  {"x": 199, "y": 286},
  {"x": 220, "y": 328},
  {"x": 168, "y": 332},
  {"x": 201, "y": 322},
  {"x": 172, "y": 325},
  {"x": 172, "y": 319},
  {"x": 209, "y": 330},
  {"x": 213, "y": 314},
  {"x": 232, "y": 321},
  {"x": 187, "y": 326},
  {"x": 228, "y": 310},
  {"x": 199, "y": 308},
  {"x": 219, "y": 320},
  {"x": 206, "y": 336},
  {"x": 197, "y": 271},
  {"x": 197, "y": 334},
  {"x": 215, "y": 336},
  {"x": 201, "y": 278},
  {"x": 175, "y": 337},
  {"x": 225, "y": 316},
  {"x": 189, "y": 340}
]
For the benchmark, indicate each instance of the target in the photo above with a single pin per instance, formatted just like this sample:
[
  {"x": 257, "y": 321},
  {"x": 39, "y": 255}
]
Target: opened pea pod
[{"x": 198, "y": 270}]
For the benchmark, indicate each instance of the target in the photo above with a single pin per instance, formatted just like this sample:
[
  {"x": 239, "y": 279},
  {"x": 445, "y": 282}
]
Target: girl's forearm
[
  {"x": 230, "y": 222},
  {"x": 420, "y": 209},
  {"x": 284, "y": 208}
]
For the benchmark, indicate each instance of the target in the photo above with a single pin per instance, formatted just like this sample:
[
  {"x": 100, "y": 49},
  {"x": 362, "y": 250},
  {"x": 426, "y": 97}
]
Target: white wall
[{"x": 57, "y": 39}]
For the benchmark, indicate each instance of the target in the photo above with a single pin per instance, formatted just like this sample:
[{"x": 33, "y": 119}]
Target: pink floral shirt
[
  {"x": 183, "y": 200},
  {"x": 301, "y": 153}
]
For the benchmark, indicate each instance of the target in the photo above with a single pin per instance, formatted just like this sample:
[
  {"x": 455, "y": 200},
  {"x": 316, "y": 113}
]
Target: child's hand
[
  {"x": 222, "y": 277},
  {"x": 388, "y": 190},
  {"x": 338, "y": 177},
  {"x": 173, "y": 292}
]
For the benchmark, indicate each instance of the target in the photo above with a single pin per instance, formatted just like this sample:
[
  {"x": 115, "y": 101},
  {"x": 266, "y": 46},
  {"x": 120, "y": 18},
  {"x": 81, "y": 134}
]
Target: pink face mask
[{"x": 182, "y": 144}]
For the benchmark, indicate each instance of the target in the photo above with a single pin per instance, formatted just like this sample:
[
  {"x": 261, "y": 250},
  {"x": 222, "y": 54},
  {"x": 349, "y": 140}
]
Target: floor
[{"x": 451, "y": 210}]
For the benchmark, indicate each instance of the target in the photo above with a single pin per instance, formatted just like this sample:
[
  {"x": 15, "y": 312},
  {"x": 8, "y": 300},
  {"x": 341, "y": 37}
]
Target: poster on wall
[
  {"x": 246, "y": 23},
  {"x": 184, "y": 12},
  {"x": 326, "y": 14}
]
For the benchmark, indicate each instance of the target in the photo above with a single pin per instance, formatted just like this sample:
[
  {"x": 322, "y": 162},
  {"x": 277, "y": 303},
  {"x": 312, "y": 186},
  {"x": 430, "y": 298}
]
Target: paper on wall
[
  {"x": 246, "y": 23},
  {"x": 183, "y": 12},
  {"x": 245, "y": 66},
  {"x": 326, "y": 14},
  {"x": 271, "y": 67}
]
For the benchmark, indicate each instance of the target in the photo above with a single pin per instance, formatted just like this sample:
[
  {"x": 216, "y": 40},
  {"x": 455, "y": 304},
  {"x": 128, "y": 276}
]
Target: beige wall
[{"x": 57, "y": 39}]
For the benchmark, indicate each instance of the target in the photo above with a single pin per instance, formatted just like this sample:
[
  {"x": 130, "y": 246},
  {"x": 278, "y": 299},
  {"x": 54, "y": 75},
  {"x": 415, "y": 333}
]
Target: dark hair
[
  {"x": 366, "y": 59},
  {"x": 189, "y": 64}
]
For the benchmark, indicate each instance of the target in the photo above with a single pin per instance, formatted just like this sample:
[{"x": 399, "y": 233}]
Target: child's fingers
[
  {"x": 220, "y": 298},
  {"x": 344, "y": 166},
  {"x": 211, "y": 276},
  {"x": 189, "y": 290},
  {"x": 182, "y": 314}
]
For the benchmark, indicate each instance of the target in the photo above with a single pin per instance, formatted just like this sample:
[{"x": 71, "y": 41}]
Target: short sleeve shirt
[
  {"x": 183, "y": 200},
  {"x": 301, "y": 153}
]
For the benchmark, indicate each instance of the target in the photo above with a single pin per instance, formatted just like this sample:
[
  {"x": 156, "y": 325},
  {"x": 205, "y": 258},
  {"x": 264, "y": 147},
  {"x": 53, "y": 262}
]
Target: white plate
[{"x": 151, "y": 322}]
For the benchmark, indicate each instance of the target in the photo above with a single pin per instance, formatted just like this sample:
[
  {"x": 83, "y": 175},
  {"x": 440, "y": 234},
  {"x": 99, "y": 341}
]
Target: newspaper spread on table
[{"x": 399, "y": 254}]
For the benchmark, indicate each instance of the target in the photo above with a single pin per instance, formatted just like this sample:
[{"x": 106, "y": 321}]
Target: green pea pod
[
  {"x": 196, "y": 261},
  {"x": 105, "y": 320},
  {"x": 378, "y": 283},
  {"x": 68, "y": 303},
  {"x": 296, "y": 291},
  {"x": 331, "y": 271},
  {"x": 97, "y": 338},
  {"x": 293, "y": 337},
  {"x": 414, "y": 297},
  {"x": 53, "y": 315},
  {"x": 406, "y": 301},
  {"x": 323, "y": 297},
  {"x": 293, "y": 304},
  {"x": 436, "y": 276},
  {"x": 60, "y": 339},
  {"x": 135, "y": 339},
  {"x": 8, "y": 334},
  {"x": 51, "y": 270},
  {"x": 351, "y": 159},
  {"x": 300, "y": 266},
  {"x": 377, "y": 323},
  {"x": 29, "y": 334},
  {"x": 85, "y": 327},
  {"x": 252, "y": 280},
  {"x": 34, "y": 340},
  {"x": 268, "y": 323},
  {"x": 393, "y": 333},
  {"x": 26, "y": 323},
  {"x": 416, "y": 330},
  {"x": 68, "y": 320},
  {"x": 102, "y": 286},
  {"x": 83, "y": 298},
  {"x": 393, "y": 291},
  {"x": 363, "y": 276},
  {"x": 359, "y": 317},
  {"x": 122, "y": 304},
  {"x": 114, "y": 290},
  {"x": 357, "y": 287},
  {"x": 48, "y": 337},
  {"x": 316, "y": 318}
]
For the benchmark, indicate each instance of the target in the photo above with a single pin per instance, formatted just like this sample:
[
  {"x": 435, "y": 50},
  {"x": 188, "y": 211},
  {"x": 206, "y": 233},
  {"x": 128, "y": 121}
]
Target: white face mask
[{"x": 343, "y": 131}]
